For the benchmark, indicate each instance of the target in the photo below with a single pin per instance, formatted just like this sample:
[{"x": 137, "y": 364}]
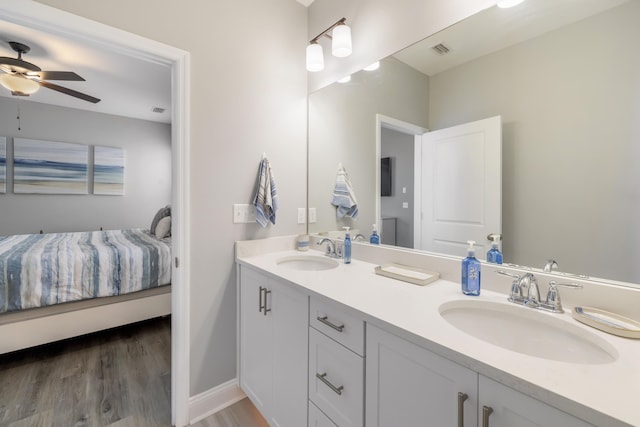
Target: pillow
[
  {"x": 162, "y": 212},
  {"x": 163, "y": 229}
]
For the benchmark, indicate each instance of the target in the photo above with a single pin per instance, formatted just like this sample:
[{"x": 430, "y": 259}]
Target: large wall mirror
[{"x": 564, "y": 77}]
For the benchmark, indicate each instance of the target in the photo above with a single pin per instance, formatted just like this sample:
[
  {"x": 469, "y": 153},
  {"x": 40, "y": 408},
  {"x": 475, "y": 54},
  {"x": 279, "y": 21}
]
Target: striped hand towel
[
  {"x": 265, "y": 199},
  {"x": 343, "y": 197}
]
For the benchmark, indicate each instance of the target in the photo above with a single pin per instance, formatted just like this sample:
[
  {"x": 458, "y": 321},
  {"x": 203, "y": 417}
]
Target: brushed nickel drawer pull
[
  {"x": 486, "y": 411},
  {"x": 266, "y": 310},
  {"x": 322, "y": 377},
  {"x": 461, "y": 398},
  {"x": 260, "y": 303},
  {"x": 329, "y": 324}
]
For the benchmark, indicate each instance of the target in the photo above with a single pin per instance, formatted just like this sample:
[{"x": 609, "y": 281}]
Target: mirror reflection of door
[{"x": 458, "y": 182}]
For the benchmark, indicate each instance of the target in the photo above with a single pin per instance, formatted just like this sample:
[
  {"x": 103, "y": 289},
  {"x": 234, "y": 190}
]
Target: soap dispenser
[
  {"x": 471, "y": 272},
  {"x": 375, "y": 237},
  {"x": 347, "y": 246},
  {"x": 494, "y": 255}
]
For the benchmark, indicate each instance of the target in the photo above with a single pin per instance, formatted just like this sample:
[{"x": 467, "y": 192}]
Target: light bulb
[
  {"x": 16, "y": 83},
  {"x": 373, "y": 66},
  {"x": 341, "y": 44},
  {"x": 315, "y": 58},
  {"x": 504, "y": 4}
]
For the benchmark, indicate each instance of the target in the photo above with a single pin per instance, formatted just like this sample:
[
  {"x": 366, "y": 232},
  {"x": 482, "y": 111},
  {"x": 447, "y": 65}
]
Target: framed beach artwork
[
  {"x": 3, "y": 164},
  {"x": 108, "y": 171},
  {"x": 48, "y": 167}
]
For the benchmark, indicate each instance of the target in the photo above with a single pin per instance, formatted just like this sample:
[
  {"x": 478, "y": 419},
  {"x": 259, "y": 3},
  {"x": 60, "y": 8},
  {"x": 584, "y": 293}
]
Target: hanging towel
[
  {"x": 265, "y": 199},
  {"x": 343, "y": 197}
]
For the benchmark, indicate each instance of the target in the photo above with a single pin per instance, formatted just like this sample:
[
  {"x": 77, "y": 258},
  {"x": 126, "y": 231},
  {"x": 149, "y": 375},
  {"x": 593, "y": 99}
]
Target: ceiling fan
[{"x": 24, "y": 78}]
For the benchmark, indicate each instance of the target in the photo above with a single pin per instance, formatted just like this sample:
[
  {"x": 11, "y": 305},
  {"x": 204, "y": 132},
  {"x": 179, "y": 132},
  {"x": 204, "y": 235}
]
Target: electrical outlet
[
  {"x": 244, "y": 214},
  {"x": 312, "y": 216},
  {"x": 302, "y": 215}
]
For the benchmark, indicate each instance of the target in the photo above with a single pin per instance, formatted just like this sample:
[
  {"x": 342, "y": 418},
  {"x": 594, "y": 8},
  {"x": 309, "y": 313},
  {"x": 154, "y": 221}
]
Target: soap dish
[
  {"x": 608, "y": 322},
  {"x": 414, "y": 275}
]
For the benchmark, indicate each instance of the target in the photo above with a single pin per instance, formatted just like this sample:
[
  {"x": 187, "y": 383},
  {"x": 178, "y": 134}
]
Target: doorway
[{"x": 45, "y": 18}]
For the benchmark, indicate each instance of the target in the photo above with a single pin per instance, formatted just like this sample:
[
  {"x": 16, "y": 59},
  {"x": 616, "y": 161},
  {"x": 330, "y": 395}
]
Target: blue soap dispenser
[
  {"x": 375, "y": 237},
  {"x": 471, "y": 272},
  {"x": 494, "y": 255},
  {"x": 347, "y": 246}
]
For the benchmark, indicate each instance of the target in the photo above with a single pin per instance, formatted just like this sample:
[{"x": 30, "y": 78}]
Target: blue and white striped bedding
[{"x": 45, "y": 269}]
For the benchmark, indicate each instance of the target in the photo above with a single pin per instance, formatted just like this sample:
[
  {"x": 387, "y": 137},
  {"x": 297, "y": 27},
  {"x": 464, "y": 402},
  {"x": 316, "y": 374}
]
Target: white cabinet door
[
  {"x": 407, "y": 385},
  {"x": 290, "y": 311},
  {"x": 509, "y": 408},
  {"x": 273, "y": 336},
  {"x": 256, "y": 358}
]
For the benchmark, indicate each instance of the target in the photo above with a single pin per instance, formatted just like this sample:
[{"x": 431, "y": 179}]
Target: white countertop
[{"x": 601, "y": 394}]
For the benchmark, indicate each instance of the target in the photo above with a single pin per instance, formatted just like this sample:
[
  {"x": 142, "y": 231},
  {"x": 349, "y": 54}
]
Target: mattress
[{"x": 38, "y": 270}]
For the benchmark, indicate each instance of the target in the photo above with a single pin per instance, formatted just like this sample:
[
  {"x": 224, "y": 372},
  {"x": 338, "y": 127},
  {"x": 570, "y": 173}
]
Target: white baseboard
[{"x": 213, "y": 400}]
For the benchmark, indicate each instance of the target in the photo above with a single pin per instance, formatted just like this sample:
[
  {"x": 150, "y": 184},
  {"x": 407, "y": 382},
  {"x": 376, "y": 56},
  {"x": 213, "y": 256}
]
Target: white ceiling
[
  {"x": 127, "y": 86},
  {"x": 495, "y": 28}
]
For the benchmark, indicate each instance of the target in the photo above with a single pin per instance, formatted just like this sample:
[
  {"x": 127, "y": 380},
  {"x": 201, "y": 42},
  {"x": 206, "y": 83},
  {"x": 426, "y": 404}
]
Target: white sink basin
[
  {"x": 528, "y": 331},
  {"x": 308, "y": 262}
]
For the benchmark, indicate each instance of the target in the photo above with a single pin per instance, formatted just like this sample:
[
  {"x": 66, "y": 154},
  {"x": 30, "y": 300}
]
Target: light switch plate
[
  {"x": 312, "y": 216},
  {"x": 244, "y": 214},
  {"x": 405, "y": 205},
  {"x": 302, "y": 215}
]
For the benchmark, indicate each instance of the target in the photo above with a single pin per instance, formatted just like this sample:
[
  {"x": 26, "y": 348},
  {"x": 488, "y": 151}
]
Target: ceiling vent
[
  {"x": 440, "y": 49},
  {"x": 158, "y": 110}
]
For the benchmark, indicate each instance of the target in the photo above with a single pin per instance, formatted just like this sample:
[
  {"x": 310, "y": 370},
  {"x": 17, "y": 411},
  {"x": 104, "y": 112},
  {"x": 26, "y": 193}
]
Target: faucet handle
[
  {"x": 515, "y": 295},
  {"x": 553, "y": 302}
]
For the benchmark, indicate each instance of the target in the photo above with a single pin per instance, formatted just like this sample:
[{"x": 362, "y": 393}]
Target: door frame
[
  {"x": 56, "y": 21},
  {"x": 401, "y": 126}
]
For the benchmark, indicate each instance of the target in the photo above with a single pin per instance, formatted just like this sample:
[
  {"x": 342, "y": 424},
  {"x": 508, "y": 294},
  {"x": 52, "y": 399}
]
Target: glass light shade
[
  {"x": 346, "y": 79},
  {"x": 508, "y": 3},
  {"x": 373, "y": 66},
  {"x": 341, "y": 44},
  {"x": 19, "y": 84},
  {"x": 315, "y": 58}
]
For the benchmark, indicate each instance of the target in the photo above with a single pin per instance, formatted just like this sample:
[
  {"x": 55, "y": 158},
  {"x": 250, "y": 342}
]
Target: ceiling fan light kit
[
  {"x": 18, "y": 85},
  {"x": 23, "y": 78}
]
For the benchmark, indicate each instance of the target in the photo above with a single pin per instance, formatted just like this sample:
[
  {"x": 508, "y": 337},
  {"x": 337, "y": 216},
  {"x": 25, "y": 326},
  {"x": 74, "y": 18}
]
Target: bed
[{"x": 58, "y": 285}]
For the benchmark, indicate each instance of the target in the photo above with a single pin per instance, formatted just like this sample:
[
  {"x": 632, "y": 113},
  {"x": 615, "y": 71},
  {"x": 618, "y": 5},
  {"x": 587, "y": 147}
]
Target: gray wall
[
  {"x": 248, "y": 96},
  {"x": 147, "y": 148},
  {"x": 569, "y": 106},
  {"x": 342, "y": 128},
  {"x": 400, "y": 147}
]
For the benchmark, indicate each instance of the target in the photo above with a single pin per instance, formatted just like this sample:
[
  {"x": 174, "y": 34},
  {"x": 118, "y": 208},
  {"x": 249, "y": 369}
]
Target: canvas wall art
[
  {"x": 3, "y": 164},
  {"x": 108, "y": 171},
  {"x": 48, "y": 167}
]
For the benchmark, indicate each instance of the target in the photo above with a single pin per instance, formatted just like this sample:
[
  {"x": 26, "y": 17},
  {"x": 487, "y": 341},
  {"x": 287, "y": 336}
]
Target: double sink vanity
[{"x": 326, "y": 344}]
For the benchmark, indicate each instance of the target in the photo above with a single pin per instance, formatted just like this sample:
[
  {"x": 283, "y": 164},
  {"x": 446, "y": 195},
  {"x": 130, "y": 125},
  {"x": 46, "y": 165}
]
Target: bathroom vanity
[{"x": 322, "y": 343}]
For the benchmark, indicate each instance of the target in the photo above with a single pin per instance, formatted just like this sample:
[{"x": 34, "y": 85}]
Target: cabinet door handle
[
  {"x": 461, "y": 398},
  {"x": 266, "y": 310},
  {"x": 339, "y": 328},
  {"x": 260, "y": 303},
  {"x": 323, "y": 378},
  {"x": 486, "y": 411}
]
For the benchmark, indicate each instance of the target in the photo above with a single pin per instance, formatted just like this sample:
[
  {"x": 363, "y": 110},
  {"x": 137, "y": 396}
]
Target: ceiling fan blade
[
  {"x": 18, "y": 65},
  {"x": 59, "y": 75},
  {"x": 70, "y": 92}
]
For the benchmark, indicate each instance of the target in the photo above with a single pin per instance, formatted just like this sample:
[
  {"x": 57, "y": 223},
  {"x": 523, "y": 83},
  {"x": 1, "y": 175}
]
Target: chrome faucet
[
  {"x": 524, "y": 291},
  {"x": 331, "y": 247},
  {"x": 362, "y": 237},
  {"x": 550, "y": 266}
]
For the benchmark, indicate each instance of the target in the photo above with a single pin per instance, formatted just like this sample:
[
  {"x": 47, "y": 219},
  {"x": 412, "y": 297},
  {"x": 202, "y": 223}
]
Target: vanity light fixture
[
  {"x": 19, "y": 85},
  {"x": 372, "y": 67},
  {"x": 346, "y": 79},
  {"x": 504, "y": 4},
  {"x": 340, "y": 45}
]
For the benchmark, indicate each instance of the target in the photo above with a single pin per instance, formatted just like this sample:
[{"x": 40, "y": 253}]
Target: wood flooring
[
  {"x": 116, "y": 378},
  {"x": 240, "y": 414}
]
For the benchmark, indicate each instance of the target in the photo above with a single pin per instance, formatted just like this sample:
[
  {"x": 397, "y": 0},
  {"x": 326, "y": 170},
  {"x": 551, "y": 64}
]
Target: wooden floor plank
[{"x": 117, "y": 378}]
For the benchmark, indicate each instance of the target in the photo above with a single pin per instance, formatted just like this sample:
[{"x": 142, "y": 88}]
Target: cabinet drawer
[
  {"x": 336, "y": 380},
  {"x": 317, "y": 418},
  {"x": 335, "y": 322}
]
